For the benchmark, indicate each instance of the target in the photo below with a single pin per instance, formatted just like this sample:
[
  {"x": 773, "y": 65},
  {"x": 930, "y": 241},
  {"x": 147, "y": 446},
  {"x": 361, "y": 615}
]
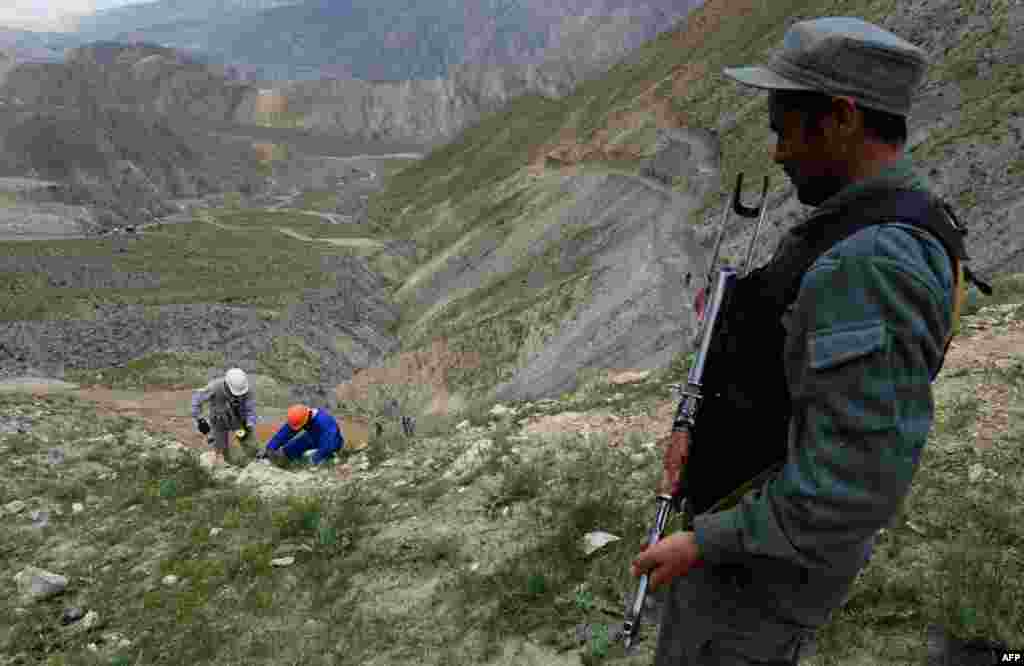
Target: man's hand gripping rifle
[{"x": 718, "y": 285}]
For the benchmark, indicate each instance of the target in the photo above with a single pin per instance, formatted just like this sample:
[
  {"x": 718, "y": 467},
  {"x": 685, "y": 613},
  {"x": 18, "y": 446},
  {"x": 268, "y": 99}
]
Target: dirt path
[
  {"x": 169, "y": 411},
  {"x": 340, "y": 242}
]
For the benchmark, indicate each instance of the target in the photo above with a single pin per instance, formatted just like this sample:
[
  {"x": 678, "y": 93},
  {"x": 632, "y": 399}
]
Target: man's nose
[{"x": 778, "y": 152}]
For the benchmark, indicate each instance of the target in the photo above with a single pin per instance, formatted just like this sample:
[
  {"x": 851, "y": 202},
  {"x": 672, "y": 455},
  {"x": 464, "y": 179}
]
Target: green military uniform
[{"x": 863, "y": 338}]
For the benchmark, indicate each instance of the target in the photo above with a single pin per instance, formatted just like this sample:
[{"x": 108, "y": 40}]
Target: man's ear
[{"x": 848, "y": 117}]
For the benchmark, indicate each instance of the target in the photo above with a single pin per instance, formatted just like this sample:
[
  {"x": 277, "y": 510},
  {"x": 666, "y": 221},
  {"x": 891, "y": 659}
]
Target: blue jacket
[{"x": 321, "y": 432}]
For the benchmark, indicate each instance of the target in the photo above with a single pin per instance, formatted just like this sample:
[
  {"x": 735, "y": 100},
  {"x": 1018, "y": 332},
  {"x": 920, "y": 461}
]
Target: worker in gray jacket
[{"x": 232, "y": 408}]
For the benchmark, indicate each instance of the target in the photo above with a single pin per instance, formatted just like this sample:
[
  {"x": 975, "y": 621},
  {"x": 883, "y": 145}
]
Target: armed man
[{"x": 816, "y": 397}]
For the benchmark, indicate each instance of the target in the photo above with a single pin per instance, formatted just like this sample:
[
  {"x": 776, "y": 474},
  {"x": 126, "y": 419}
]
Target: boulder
[
  {"x": 671, "y": 159},
  {"x": 35, "y": 584}
]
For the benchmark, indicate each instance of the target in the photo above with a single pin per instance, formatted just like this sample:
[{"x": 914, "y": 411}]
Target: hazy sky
[{"x": 50, "y": 14}]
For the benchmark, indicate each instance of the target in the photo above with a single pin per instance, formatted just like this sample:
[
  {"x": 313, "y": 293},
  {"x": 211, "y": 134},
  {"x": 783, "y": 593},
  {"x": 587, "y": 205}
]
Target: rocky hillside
[
  {"x": 126, "y": 167},
  {"x": 558, "y": 234},
  {"x": 385, "y": 39},
  {"x": 152, "y": 79}
]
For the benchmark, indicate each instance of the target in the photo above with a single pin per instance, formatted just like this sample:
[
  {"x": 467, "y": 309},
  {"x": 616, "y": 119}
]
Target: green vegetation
[
  {"x": 1006, "y": 289},
  {"x": 290, "y": 360},
  {"x": 321, "y": 200},
  {"x": 156, "y": 522},
  {"x": 8, "y": 199},
  {"x": 422, "y": 567},
  {"x": 484, "y": 157},
  {"x": 376, "y": 580},
  {"x": 952, "y": 554},
  {"x": 244, "y": 262},
  {"x": 163, "y": 369}
]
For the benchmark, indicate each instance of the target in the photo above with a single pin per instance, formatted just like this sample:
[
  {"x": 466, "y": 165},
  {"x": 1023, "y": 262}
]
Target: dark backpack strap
[{"x": 917, "y": 208}]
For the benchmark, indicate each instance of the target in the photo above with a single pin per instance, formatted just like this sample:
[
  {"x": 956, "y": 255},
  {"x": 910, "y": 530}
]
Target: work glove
[
  {"x": 242, "y": 434},
  {"x": 677, "y": 452},
  {"x": 203, "y": 426}
]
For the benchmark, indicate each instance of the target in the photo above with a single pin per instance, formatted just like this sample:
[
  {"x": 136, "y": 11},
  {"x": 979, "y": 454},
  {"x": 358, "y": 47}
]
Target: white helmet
[{"x": 237, "y": 382}]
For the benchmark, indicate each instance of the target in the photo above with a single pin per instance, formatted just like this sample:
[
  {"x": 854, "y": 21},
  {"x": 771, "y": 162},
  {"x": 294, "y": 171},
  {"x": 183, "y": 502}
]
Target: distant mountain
[
  {"x": 382, "y": 39},
  {"x": 28, "y": 46},
  {"x": 160, "y": 14}
]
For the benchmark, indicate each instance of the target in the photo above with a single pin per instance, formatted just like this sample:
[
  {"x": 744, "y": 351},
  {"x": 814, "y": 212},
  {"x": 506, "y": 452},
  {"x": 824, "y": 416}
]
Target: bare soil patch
[{"x": 425, "y": 367}]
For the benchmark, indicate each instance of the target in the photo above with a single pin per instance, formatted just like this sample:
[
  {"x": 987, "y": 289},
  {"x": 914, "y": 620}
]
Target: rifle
[{"x": 690, "y": 395}]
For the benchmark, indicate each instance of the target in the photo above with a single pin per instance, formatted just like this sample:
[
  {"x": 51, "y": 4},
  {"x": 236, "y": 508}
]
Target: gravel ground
[{"x": 44, "y": 221}]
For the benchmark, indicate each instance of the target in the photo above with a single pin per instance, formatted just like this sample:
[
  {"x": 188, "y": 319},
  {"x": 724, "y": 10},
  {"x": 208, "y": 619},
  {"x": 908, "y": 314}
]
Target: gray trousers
[
  {"x": 706, "y": 621},
  {"x": 221, "y": 427}
]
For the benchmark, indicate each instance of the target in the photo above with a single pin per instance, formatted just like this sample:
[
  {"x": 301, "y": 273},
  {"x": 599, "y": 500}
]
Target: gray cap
[{"x": 843, "y": 56}]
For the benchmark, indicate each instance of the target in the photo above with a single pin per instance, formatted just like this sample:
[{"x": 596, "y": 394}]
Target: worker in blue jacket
[{"x": 305, "y": 430}]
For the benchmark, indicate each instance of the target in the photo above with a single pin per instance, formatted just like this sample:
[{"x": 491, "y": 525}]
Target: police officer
[{"x": 861, "y": 334}]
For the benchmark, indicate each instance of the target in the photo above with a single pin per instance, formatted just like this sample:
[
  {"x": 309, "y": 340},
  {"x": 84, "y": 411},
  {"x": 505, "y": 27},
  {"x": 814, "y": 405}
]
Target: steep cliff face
[
  {"x": 144, "y": 78},
  {"x": 380, "y": 39},
  {"x": 430, "y": 111},
  {"x": 107, "y": 123},
  {"x": 152, "y": 79},
  {"x": 422, "y": 111}
]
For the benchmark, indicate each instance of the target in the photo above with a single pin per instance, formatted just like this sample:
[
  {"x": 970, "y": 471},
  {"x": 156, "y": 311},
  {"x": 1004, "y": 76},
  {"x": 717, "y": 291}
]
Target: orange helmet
[{"x": 298, "y": 416}]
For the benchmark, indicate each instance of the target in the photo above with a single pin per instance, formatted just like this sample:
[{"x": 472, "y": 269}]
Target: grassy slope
[
  {"x": 463, "y": 188},
  {"x": 246, "y": 261},
  {"x": 411, "y": 567}
]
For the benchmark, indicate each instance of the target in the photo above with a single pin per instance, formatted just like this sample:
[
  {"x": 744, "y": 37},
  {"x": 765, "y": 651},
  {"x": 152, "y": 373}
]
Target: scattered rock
[
  {"x": 170, "y": 579},
  {"x": 462, "y": 425},
  {"x": 40, "y": 518},
  {"x": 472, "y": 457},
  {"x": 71, "y": 615},
  {"x": 15, "y": 507},
  {"x": 594, "y": 541},
  {"x": 978, "y": 472},
  {"x": 35, "y": 584},
  {"x": 282, "y": 561},
  {"x": 77, "y": 507},
  {"x": 214, "y": 531},
  {"x": 500, "y": 410},
  {"x": 90, "y": 621},
  {"x": 638, "y": 459}
]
